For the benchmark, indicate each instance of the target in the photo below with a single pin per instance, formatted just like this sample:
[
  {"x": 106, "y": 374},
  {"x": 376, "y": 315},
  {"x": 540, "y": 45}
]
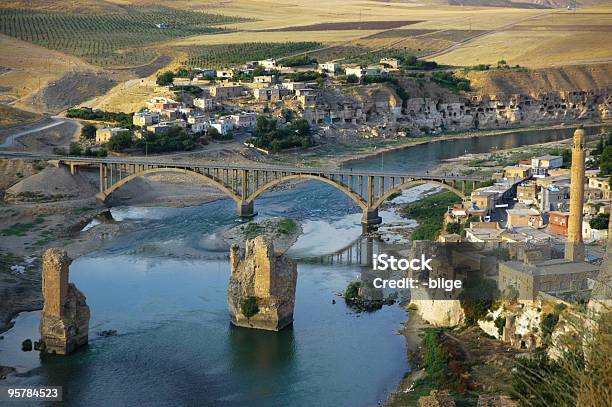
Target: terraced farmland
[
  {"x": 225, "y": 55},
  {"x": 110, "y": 39}
]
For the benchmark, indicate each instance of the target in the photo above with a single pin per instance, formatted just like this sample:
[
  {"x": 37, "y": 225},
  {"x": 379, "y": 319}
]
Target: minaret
[{"x": 574, "y": 248}]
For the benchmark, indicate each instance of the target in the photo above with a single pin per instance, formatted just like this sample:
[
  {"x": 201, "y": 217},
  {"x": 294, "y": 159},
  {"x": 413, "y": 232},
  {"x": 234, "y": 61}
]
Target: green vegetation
[
  {"x": 88, "y": 132},
  {"x": 580, "y": 376},
  {"x": 450, "y": 81},
  {"x": 21, "y": 229},
  {"x": 120, "y": 119},
  {"x": 352, "y": 290},
  {"x": 120, "y": 141},
  {"x": 226, "y": 55},
  {"x": 176, "y": 139},
  {"x": 429, "y": 214},
  {"x": 287, "y": 226},
  {"x": 268, "y": 136},
  {"x": 249, "y": 307},
  {"x": 165, "y": 78},
  {"x": 252, "y": 230},
  {"x": 500, "y": 323},
  {"x": 478, "y": 297},
  {"x": 600, "y": 222},
  {"x": 299, "y": 60},
  {"x": 407, "y": 58},
  {"x": 118, "y": 39},
  {"x": 304, "y": 76}
]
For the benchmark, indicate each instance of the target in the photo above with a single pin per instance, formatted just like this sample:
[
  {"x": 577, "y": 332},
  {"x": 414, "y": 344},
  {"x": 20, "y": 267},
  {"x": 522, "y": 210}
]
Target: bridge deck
[{"x": 216, "y": 165}]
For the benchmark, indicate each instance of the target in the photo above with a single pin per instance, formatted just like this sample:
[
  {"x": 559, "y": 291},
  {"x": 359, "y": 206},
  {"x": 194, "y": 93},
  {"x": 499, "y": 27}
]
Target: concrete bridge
[{"x": 243, "y": 184}]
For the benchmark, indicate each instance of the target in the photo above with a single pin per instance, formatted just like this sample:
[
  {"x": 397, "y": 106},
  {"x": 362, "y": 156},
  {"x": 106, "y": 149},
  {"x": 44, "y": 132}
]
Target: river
[{"x": 163, "y": 284}]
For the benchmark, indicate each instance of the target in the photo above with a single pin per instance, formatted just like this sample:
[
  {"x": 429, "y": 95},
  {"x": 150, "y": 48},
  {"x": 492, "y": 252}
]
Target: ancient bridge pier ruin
[
  {"x": 64, "y": 323},
  {"x": 244, "y": 184},
  {"x": 261, "y": 290}
]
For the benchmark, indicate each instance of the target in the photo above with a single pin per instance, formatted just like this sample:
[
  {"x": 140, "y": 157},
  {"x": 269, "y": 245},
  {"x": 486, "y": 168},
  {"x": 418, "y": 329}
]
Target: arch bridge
[{"x": 245, "y": 183}]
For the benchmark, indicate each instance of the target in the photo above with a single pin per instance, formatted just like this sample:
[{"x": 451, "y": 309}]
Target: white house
[{"x": 223, "y": 126}]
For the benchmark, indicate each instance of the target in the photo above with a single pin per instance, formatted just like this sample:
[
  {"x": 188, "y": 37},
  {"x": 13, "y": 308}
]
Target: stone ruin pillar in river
[
  {"x": 64, "y": 323},
  {"x": 261, "y": 291}
]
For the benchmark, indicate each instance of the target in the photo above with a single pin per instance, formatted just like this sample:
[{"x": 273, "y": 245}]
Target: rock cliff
[
  {"x": 261, "y": 291},
  {"x": 64, "y": 323}
]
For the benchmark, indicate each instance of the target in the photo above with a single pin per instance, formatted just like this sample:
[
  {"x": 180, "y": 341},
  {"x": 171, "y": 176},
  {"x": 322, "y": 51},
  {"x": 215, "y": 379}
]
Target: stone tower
[
  {"x": 64, "y": 323},
  {"x": 574, "y": 248}
]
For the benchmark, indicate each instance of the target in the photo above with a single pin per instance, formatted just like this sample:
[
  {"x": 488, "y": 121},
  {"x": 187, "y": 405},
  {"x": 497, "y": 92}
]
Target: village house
[
  {"x": 516, "y": 172},
  {"x": 267, "y": 79},
  {"x": 225, "y": 73},
  {"x": 104, "y": 134},
  {"x": 244, "y": 120},
  {"x": 524, "y": 217},
  {"x": 590, "y": 234},
  {"x": 161, "y": 103},
  {"x": 554, "y": 198},
  {"x": 526, "y": 193},
  {"x": 557, "y": 223},
  {"x": 269, "y": 63},
  {"x": 223, "y": 125},
  {"x": 329, "y": 67},
  {"x": 204, "y": 104},
  {"x": 226, "y": 92},
  {"x": 542, "y": 165},
  {"x": 145, "y": 118},
  {"x": 270, "y": 94},
  {"x": 390, "y": 62},
  {"x": 483, "y": 232},
  {"x": 602, "y": 184}
]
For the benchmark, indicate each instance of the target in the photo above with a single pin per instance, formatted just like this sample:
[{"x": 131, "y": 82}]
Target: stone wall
[
  {"x": 265, "y": 278},
  {"x": 64, "y": 322}
]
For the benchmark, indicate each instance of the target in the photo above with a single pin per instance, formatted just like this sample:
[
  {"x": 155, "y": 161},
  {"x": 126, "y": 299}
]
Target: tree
[
  {"x": 88, "y": 132},
  {"x": 165, "y": 78},
  {"x": 352, "y": 78},
  {"x": 213, "y": 133},
  {"x": 75, "y": 149},
  {"x": 605, "y": 162},
  {"x": 120, "y": 141},
  {"x": 600, "y": 222}
]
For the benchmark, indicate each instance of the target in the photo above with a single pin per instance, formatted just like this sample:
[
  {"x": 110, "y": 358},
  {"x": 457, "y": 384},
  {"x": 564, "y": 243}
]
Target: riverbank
[{"x": 337, "y": 154}]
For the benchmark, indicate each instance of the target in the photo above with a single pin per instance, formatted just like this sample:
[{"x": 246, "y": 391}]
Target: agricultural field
[
  {"x": 226, "y": 55},
  {"x": 109, "y": 40},
  {"x": 559, "y": 38}
]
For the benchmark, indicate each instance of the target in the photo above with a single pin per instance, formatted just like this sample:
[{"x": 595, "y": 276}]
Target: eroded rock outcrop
[
  {"x": 261, "y": 291},
  {"x": 64, "y": 323}
]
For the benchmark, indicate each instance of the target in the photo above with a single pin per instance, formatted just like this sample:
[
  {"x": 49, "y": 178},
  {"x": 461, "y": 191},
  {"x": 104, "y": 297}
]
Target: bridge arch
[
  {"x": 211, "y": 181},
  {"x": 413, "y": 183},
  {"x": 356, "y": 198}
]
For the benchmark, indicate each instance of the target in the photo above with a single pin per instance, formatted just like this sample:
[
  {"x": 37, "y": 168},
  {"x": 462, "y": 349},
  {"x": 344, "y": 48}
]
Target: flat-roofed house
[{"x": 524, "y": 217}]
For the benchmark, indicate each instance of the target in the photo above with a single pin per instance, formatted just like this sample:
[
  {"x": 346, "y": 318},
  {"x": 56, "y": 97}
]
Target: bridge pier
[
  {"x": 245, "y": 209},
  {"x": 369, "y": 219}
]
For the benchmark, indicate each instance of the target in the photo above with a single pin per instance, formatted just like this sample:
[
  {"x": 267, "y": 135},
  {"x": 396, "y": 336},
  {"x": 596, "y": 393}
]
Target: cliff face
[
  {"x": 64, "y": 323},
  {"x": 380, "y": 107},
  {"x": 437, "y": 307},
  {"x": 261, "y": 291}
]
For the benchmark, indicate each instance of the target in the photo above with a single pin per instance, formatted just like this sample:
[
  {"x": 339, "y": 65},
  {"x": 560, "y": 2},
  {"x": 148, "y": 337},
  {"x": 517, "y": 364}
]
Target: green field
[
  {"x": 109, "y": 39},
  {"x": 226, "y": 55}
]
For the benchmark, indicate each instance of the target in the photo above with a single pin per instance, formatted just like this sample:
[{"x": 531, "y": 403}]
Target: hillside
[{"x": 526, "y": 81}]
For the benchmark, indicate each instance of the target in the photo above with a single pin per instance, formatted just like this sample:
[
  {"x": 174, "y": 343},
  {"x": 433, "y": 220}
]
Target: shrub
[
  {"x": 600, "y": 221},
  {"x": 88, "y": 132},
  {"x": 249, "y": 307},
  {"x": 352, "y": 290},
  {"x": 477, "y": 298},
  {"x": 500, "y": 323},
  {"x": 75, "y": 149},
  {"x": 165, "y": 78}
]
